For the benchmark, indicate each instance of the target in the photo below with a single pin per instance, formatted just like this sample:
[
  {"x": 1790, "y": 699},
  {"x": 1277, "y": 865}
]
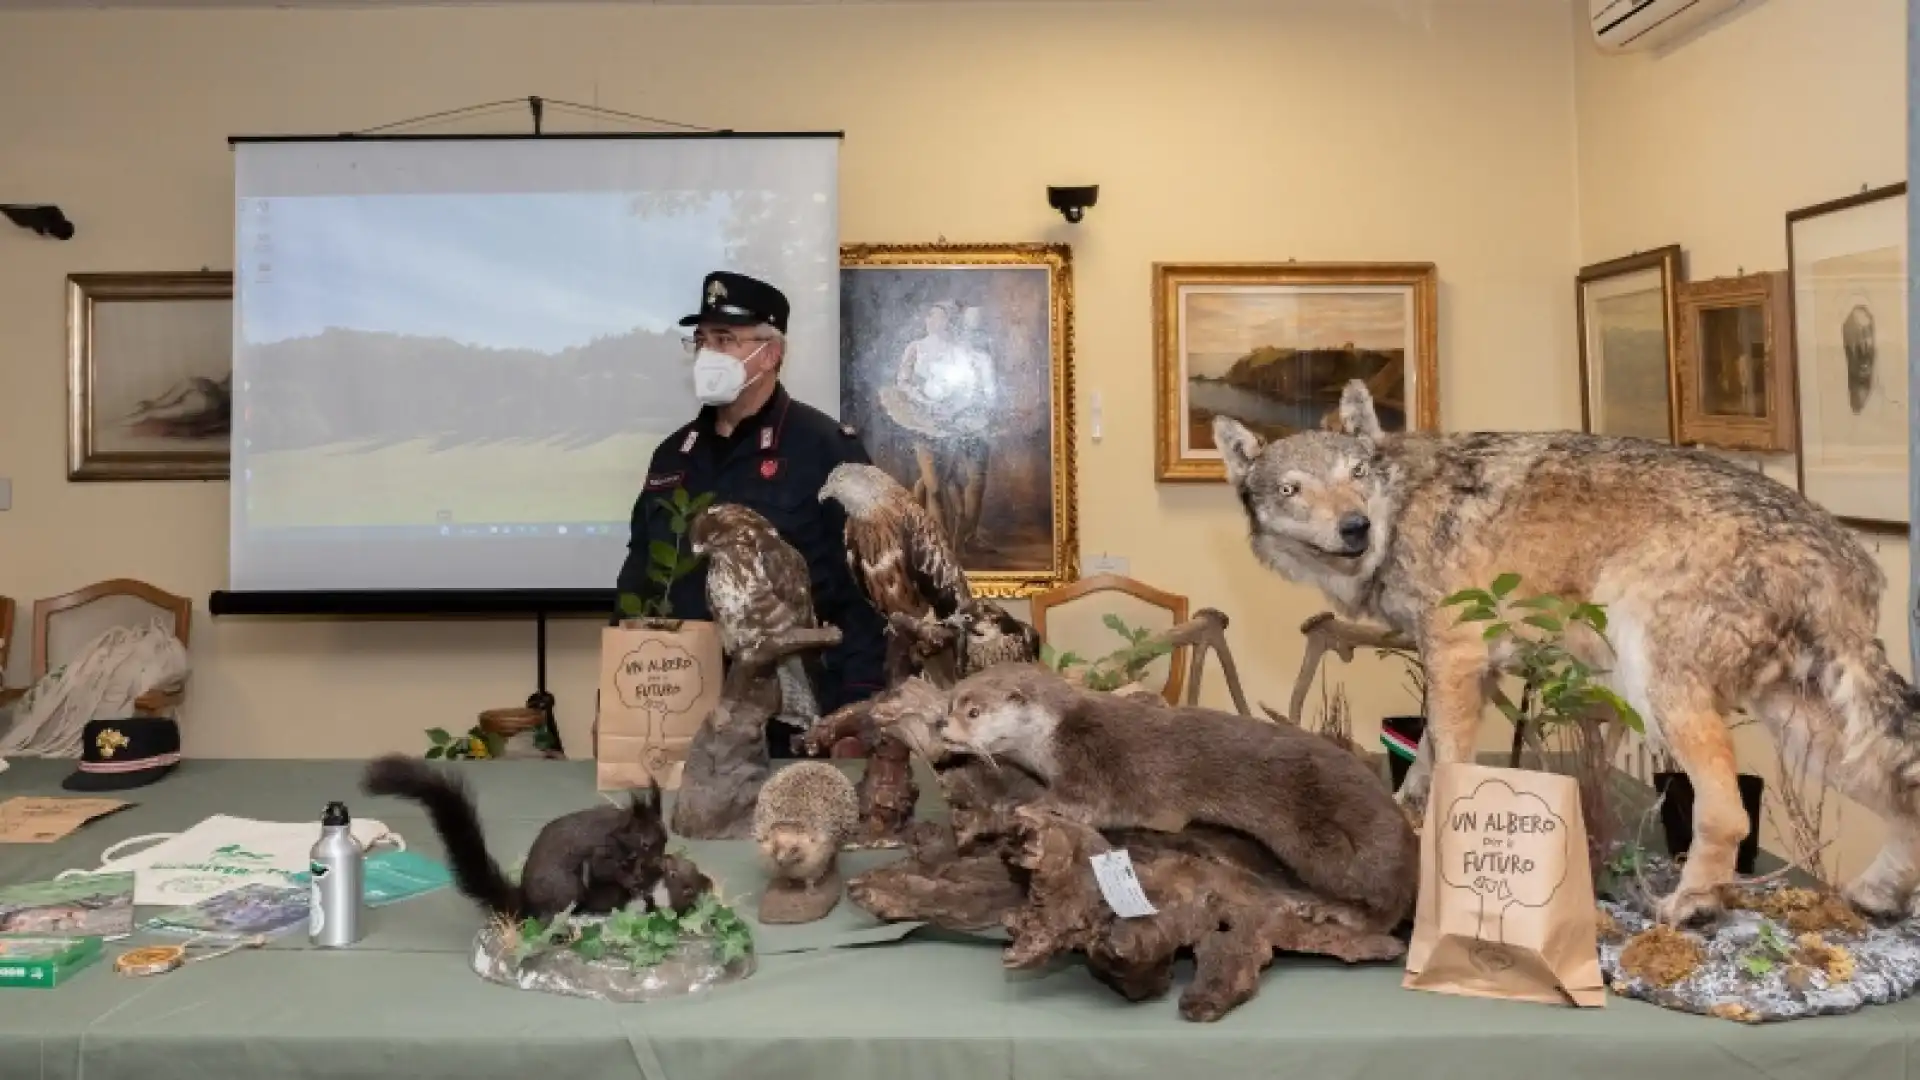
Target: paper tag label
[{"x": 1114, "y": 872}]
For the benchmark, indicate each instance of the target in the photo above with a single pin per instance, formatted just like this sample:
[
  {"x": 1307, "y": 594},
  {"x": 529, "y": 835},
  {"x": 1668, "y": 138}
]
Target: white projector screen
[{"x": 453, "y": 357}]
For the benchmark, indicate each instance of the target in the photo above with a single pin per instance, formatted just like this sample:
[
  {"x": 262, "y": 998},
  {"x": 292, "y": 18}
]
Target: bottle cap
[{"x": 336, "y": 814}]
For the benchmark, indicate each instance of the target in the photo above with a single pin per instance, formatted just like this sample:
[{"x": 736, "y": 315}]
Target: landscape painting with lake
[{"x": 1274, "y": 346}]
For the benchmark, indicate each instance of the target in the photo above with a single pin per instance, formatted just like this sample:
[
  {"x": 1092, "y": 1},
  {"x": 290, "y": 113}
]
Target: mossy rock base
[
  {"x": 695, "y": 966},
  {"x": 1780, "y": 952}
]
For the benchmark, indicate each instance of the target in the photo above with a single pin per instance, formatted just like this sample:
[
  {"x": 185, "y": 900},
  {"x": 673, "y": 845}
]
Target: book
[
  {"x": 96, "y": 905},
  {"x": 42, "y": 963},
  {"x": 258, "y": 908}
]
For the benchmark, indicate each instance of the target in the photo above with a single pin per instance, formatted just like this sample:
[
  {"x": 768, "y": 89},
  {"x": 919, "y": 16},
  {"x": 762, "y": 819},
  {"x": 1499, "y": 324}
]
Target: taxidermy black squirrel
[{"x": 595, "y": 861}]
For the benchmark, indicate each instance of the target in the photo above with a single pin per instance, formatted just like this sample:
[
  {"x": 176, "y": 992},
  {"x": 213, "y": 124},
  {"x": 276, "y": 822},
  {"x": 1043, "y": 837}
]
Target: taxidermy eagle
[
  {"x": 758, "y": 586},
  {"x": 907, "y": 567}
]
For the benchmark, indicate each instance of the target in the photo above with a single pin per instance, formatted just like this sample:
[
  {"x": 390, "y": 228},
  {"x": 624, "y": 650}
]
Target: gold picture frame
[
  {"x": 956, "y": 368},
  {"x": 1736, "y": 364},
  {"x": 149, "y": 375},
  {"x": 1627, "y": 311},
  {"x": 1311, "y": 316}
]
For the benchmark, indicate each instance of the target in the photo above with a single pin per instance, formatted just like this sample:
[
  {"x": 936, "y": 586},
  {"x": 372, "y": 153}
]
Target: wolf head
[{"x": 1318, "y": 504}]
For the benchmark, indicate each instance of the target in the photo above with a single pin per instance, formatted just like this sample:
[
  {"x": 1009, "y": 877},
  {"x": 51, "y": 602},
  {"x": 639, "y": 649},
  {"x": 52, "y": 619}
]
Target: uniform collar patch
[
  {"x": 766, "y": 438},
  {"x": 686, "y": 444},
  {"x": 656, "y": 481}
]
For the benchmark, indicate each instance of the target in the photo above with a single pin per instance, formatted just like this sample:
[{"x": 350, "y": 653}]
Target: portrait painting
[
  {"x": 1736, "y": 363},
  {"x": 956, "y": 369},
  {"x": 1848, "y": 264},
  {"x": 149, "y": 375},
  {"x": 1626, "y": 316},
  {"x": 1274, "y": 345}
]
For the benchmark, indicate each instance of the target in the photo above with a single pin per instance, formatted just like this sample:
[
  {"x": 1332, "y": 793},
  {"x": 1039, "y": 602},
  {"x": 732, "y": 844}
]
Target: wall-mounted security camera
[
  {"x": 47, "y": 220},
  {"x": 1073, "y": 202}
]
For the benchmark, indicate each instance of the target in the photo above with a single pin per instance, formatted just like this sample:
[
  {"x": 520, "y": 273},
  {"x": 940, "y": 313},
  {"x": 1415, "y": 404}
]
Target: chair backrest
[
  {"x": 1103, "y": 641},
  {"x": 63, "y": 624}
]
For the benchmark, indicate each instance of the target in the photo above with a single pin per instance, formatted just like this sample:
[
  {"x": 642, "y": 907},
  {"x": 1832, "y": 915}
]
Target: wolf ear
[
  {"x": 1356, "y": 412},
  {"x": 1238, "y": 446}
]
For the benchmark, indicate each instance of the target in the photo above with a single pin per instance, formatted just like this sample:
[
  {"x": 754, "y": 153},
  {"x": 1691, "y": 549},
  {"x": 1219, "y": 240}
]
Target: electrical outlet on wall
[{"x": 1096, "y": 414}]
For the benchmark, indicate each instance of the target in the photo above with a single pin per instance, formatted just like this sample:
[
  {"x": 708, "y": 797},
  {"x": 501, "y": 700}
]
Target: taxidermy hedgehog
[{"x": 805, "y": 812}]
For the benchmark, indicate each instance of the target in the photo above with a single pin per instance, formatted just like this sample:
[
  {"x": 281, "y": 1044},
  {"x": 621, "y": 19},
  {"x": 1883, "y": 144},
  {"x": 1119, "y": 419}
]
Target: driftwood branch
[
  {"x": 727, "y": 759},
  {"x": 887, "y": 789},
  {"x": 1327, "y": 634},
  {"x": 1220, "y": 895}
]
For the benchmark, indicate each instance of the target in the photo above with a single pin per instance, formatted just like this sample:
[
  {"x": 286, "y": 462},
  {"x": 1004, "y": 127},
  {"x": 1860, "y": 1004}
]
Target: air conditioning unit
[{"x": 1621, "y": 26}]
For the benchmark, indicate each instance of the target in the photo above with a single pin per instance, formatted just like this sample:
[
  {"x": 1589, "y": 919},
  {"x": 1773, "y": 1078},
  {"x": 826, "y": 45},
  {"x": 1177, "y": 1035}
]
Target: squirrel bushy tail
[{"x": 451, "y": 810}]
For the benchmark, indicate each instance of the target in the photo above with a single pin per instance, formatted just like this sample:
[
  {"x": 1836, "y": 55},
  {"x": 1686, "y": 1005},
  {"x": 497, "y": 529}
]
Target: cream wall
[
  {"x": 1326, "y": 129},
  {"x": 1787, "y": 104}
]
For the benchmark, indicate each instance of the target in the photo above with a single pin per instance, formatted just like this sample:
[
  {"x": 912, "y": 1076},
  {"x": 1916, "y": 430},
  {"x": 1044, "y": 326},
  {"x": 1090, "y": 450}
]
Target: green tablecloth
[{"x": 405, "y": 1004}]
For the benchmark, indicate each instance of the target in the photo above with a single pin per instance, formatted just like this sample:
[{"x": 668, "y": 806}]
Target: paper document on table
[{"x": 42, "y": 820}]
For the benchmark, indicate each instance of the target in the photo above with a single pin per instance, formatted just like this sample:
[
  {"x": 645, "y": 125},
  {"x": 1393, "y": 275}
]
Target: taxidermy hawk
[
  {"x": 907, "y": 566},
  {"x": 758, "y": 586}
]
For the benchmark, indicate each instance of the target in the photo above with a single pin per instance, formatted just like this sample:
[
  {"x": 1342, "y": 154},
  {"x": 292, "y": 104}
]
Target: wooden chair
[
  {"x": 6, "y": 637},
  {"x": 1173, "y": 603},
  {"x": 63, "y": 624}
]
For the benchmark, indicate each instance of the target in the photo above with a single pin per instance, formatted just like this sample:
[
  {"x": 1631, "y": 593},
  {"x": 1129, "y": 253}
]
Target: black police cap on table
[
  {"x": 125, "y": 752},
  {"x": 739, "y": 300}
]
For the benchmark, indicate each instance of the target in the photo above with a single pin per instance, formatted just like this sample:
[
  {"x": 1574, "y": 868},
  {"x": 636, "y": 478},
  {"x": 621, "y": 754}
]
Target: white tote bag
[{"x": 220, "y": 854}]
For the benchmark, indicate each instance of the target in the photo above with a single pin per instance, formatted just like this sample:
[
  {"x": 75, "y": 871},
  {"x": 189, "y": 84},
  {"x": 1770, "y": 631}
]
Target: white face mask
[{"x": 719, "y": 378}]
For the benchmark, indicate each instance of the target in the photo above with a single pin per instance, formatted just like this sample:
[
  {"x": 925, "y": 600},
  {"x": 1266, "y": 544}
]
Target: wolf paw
[
  {"x": 1877, "y": 901},
  {"x": 1689, "y": 905},
  {"x": 1412, "y": 797}
]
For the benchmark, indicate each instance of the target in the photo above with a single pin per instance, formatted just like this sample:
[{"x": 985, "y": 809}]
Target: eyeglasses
[{"x": 721, "y": 341}]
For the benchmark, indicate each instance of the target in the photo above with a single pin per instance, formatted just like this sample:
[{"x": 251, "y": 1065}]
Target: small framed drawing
[
  {"x": 149, "y": 375},
  {"x": 1273, "y": 344},
  {"x": 956, "y": 367},
  {"x": 1848, "y": 263},
  {"x": 1626, "y": 314},
  {"x": 1736, "y": 364}
]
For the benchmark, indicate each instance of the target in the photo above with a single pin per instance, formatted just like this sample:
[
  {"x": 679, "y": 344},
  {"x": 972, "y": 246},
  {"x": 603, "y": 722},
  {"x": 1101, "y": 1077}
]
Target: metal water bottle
[{"x": 338, "y": 868}]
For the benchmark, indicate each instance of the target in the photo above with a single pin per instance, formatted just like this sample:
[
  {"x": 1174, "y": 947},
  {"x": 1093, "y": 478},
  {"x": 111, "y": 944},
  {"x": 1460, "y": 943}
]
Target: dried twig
[{"x": 1326, "y": 634}]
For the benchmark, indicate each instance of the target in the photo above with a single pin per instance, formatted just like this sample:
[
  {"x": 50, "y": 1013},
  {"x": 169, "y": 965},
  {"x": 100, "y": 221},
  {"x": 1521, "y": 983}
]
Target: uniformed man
[{"x": 753, "y": 444}]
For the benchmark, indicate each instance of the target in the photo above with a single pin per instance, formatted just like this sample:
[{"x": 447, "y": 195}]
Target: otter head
[
  {"x": 858, "y": 488},
  {"x": 795, "y": 852},
  {"x": 995, "y": 713},
  {"x": 1317, "y": 502}
]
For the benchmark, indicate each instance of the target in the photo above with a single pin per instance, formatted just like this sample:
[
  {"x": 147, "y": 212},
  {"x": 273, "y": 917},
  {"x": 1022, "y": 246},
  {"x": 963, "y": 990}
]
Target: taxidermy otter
[
  {"x": 596, "y": 860},
  {"x": 1114, "y": 763}
]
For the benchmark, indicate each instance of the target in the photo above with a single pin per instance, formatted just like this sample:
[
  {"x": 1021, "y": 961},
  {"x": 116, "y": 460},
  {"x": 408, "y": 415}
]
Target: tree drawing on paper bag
[
  {"x": 1507, "y": 847},
  {"x": 662, "y": 679}
]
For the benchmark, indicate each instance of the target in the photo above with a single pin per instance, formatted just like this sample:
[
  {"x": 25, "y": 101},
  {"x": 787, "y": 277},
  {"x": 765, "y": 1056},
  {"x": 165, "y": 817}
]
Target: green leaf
[
  {"x": 1536, "y": 603},
  {"x": 438, "y": 736},
  {"x": 1464, "y": 596},
  {"x": 660, "y": 575},
  {"x": 1112, "y": 622},
  {"x": 663, "y": 553},
  {"x": 700, "y": 502},
  {"x": 1478, "y": 614},
  {"x": 680, "y": 498},
  {"x": 436, "y": 751},
  {"x": 1545, "y": 622},
  {"x": 688, "y": 564},
  {"x": 631, "y": 604},
  {"x": 1511, "y": 711},
  {"x": 1493, "y": 631},
  {"x": 1505, "y": 584}
]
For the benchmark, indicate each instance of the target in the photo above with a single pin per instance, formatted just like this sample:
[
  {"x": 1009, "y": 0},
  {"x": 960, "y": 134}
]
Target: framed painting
[
  {"x": 1736, "y": 364},
  {"x": 1847, "y": 260},
  {"x": 957, "y": 370},
  {"x": 149, "y": 375},
  {"x": 1626, "y": 315},
  {"x": 1273, "y": 344}
]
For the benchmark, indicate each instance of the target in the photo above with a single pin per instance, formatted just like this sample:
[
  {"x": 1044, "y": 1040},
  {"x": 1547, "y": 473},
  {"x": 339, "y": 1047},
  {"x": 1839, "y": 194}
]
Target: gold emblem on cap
[
  {"x": 716, "y": 290},
  {"x": 108, "y": 741}
]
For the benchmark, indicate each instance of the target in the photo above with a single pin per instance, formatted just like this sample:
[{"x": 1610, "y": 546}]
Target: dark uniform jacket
[{"x": 774, "y": 462}]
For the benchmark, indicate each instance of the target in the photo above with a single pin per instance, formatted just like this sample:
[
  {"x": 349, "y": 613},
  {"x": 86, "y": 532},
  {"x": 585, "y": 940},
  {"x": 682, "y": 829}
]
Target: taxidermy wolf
[{"x": 1723, "y": 590}]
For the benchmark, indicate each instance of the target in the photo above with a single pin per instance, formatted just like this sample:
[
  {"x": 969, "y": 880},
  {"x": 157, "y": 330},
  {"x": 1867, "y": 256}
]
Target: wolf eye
[
  {"x": 1289, "y": 489},
  {"x": 1360, "y": 471}
]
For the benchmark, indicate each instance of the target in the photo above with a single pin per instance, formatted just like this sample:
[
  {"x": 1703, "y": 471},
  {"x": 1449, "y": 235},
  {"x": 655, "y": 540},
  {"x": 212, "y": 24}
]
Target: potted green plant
[
  {"x": 660, "y": 674},
  {"x": 1122, "y": 667},
  {"x": 1560, "y": 698}
]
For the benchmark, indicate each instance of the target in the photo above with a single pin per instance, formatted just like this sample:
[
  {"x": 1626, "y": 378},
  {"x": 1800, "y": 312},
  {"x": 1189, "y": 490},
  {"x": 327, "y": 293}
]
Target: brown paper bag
[
  {"x": 658, "y": 683},
  {"x": 1506, "y": 905}
]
